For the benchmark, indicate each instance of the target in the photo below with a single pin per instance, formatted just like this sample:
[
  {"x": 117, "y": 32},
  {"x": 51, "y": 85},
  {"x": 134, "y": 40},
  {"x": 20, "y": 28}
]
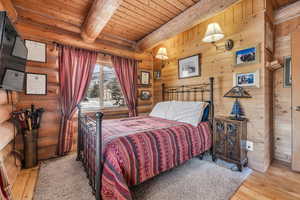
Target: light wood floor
[{"x": 278, "y": 183}]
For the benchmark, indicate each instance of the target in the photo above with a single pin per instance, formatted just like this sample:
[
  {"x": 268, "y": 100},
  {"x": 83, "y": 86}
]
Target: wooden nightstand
[{"x": 229, "y": 141}]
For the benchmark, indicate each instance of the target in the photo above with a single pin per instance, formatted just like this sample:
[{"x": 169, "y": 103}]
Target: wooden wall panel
[
  {"x": 244, "y": 23},
  {"x": 282, "y": 96}
]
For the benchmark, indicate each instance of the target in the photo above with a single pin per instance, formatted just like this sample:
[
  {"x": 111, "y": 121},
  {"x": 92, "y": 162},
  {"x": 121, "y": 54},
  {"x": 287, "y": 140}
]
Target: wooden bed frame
[{"x": 90, "y": 127}]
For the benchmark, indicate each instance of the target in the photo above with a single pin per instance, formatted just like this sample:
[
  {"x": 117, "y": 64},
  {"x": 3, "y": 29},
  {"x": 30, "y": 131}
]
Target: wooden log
[
  {"x": 287, "y": 13},
  {"x": 6, "y": 100},
  {"x": 99, "y": 15},
  {"x": 5, "y": 111},
  {"x": 196, "y": 14},
  {"x": 6, "y": 134},
  {"x": 7, "y": 5},
  {"x": 35, "y": 31}
]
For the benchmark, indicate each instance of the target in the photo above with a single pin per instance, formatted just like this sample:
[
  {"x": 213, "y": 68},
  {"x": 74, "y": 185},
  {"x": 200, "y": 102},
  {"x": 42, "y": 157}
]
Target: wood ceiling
[{"x": 132, "y": 21}]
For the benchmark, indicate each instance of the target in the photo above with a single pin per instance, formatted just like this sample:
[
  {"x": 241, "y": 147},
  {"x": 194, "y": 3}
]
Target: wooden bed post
[
  {"x": 79, "y": 136},
  {"x": 212, "y": 106},
  {"x": 163, "y": 91},
  {"x": 99, "y": 155}
]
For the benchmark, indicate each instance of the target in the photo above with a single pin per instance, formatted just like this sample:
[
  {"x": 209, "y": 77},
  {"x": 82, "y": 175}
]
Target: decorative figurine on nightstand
[{"x": 237, "y": 92}]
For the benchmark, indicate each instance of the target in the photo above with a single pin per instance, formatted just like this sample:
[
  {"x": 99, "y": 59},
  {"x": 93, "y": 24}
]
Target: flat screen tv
[{"x": 13, "y": 55}]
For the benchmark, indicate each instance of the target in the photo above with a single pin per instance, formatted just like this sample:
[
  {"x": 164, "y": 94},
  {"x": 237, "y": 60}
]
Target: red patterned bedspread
[{"x": 137, "y": 149}]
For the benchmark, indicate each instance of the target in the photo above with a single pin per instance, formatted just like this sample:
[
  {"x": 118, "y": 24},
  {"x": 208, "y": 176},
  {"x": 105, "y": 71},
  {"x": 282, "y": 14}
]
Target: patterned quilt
[{"x": 137, "y": 149}]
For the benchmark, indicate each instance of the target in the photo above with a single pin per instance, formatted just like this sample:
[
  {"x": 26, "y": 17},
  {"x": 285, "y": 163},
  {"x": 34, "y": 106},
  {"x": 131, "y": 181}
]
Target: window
[{"x": 104, "y": 90}]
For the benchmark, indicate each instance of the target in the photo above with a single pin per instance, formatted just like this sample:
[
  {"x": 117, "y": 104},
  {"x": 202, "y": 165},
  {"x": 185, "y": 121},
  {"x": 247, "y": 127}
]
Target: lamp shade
[
  {"x": 237, "y": 92},
  {"x": 213, "y": 33},
  {"x": 162, "y": 54}
]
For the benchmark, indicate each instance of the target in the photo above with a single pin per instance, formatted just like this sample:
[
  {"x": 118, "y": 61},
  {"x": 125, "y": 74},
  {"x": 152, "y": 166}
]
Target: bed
[{"x": 121, "y": 153}]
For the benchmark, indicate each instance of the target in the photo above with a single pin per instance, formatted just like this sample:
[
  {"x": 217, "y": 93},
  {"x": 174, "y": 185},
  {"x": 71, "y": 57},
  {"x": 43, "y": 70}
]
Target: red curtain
[
  {"x": 75, "y": 72},
  {"x": 126, "y": 72}
]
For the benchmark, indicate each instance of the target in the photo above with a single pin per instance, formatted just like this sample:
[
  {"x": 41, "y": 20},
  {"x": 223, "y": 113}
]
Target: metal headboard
[{"x": 196, "y": 92}]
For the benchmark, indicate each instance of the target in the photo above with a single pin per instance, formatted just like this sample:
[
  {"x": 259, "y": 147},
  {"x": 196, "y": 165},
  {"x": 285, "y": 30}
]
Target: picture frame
[
  {"x": 13, "y": 80},
  {"x": 189, "y": 67},
  {"x": 37, "y": 51},
  {"x": 36, "y": 84},
  {"x": 247, "y": 56},
  {"x": 157, "y": 75},
  {"x": 287, "y": 72},
  {"x": 145, "y": 95},
  {"x": 250, "y": 79},
  {"x": 145, "y": 78}
]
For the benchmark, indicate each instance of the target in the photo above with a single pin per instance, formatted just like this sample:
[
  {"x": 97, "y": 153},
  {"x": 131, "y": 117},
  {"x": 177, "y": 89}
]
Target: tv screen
[{"x": 13, "y": 55}]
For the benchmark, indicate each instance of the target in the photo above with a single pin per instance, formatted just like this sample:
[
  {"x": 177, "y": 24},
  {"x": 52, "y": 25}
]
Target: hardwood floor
[
  {"x": 25, "y": 184},
  {"x": 278, "y": 183}
]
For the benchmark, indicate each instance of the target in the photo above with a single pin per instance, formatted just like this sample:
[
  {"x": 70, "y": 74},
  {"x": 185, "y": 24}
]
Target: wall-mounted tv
[{"x": 13, "y": 55}]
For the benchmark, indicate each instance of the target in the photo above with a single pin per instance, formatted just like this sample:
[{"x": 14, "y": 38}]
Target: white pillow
[
  {"x": 190, "y": 112},
  {"x": 161, "y": 109}
]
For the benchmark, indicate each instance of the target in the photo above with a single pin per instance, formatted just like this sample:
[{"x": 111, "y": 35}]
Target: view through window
[{"x": 104, "y": 90}]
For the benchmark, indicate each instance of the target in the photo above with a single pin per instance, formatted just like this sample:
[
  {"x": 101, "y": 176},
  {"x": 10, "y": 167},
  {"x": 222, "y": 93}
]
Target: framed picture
[
  {"x": 13, "y": 80},
  {"x": 36, "y": 84},
  {"x": 246, "y": 79},
  {"x": 287, "y": 74},
  {"x": 157, "y": 75},
  {"x": 189, "y": 67},
  {"x": 247, "y": 56},
  {"x": 145, "y": 78},
  {"x": 36, "y": 51},
  {"x": 145, "y": 95}
]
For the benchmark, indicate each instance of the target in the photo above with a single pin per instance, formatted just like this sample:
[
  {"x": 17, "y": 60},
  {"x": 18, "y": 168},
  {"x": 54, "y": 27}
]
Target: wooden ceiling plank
[
  {"x": 130, "y": 24},
  {"x": 122, "y": 26},
  {"x": 168, "y": 6},
  {"x": 147, "y": 8},
  {"x": 99, "y": 15},
  {"x": 72, "y": 18},
  {"x": 7, "y": 5},
  {"x": 177, "y": 4},
  {"x": 196, "y": 14},
  {"x": 137, "y": 22},
  {"x": 144, "y": 12},
  {"x": 139, "y": 17},
  {"x": 121, "y": 33},
  {"x": 48, "y": 20}
]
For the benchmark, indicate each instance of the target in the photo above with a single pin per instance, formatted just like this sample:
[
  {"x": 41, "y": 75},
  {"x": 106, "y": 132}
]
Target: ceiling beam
[
  {"x": 7, "y": 5},
  {"x": 40, "y": 32},
  {"x": 287, "y": 13},
  {"x": 194, "y": 15},
  {"x": 98, "y": 16}
]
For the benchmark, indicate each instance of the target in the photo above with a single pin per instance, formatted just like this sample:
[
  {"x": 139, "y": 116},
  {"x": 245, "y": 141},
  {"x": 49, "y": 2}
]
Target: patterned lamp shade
[{"x": 237, "y": 92}]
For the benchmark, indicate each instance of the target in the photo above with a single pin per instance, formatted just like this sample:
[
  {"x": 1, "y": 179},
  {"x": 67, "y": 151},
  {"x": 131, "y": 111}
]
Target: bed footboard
[{"x": 89, "y": 148}]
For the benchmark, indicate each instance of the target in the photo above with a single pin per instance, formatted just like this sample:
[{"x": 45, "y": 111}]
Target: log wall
[
  {"x": 245, "y": 24},
  {"x": 49, "y": 131},
  {"x": 7, "y": 132}
]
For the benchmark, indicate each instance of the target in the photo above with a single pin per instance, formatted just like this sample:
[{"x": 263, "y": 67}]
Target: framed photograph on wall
[
  {"x": 250, "y": 79},
  {"x": 36, "y": 84},
  {"x": 145, "y": 78},
  {"x": 36, "y": 51},
  {"x": 247, "y": 56},
  {"x": 189, "y": 67},
  {"x": 287, "y": 72},
  {"x": 145, "y": 95}
]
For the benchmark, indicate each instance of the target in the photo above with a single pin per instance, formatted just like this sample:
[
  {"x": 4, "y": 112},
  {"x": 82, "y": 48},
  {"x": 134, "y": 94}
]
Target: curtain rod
[{"x": 97, "y": 51}]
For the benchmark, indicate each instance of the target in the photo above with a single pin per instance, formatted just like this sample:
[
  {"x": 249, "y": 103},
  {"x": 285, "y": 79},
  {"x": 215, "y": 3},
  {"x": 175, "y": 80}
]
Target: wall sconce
[
  {"x": 162, "y": 55},
  {"x": 213, "y": 34}
]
